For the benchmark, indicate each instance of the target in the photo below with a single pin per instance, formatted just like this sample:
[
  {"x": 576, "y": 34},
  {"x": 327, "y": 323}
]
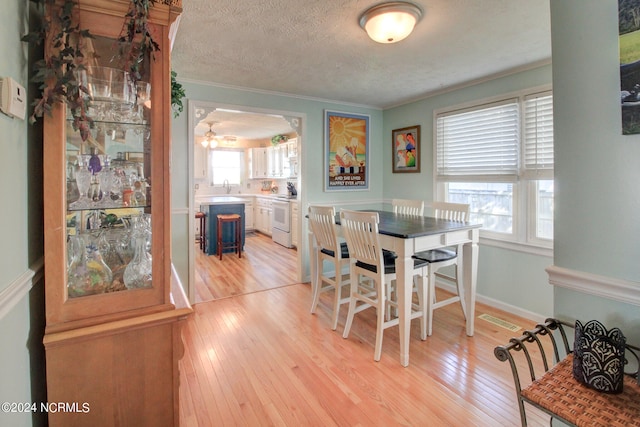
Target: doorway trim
[{"x": 193, "y": 105}]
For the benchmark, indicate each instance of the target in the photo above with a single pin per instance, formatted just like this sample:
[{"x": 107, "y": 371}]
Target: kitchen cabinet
[
  {"x": 263, "y": 213},
  {"x": 248, "y": 213},
  {"x": 259, "y": 163},
  {"x": 114, "y": 312},
  {"x": 275, "y": 161},
  {"x": 295, "y": 217},
  {"x": 290, "y": 159},
  {"x": 280, "y": 161}
]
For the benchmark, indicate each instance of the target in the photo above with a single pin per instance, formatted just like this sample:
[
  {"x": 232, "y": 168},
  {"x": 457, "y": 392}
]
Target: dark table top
[{"x": 409, "y": 227}]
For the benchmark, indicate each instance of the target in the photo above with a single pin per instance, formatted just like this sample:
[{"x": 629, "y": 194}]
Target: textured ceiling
[{"x": 315, "y": 48}]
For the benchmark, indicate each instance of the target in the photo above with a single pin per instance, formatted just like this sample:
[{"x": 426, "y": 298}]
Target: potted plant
[
  {"x": 278, "y": 139},
  {"x": 177, "y": 93}
]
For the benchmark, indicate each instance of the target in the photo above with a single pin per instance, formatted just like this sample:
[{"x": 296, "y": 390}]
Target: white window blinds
[
  {"x": 538, "y": 136},
  {"x": 479, "y": 144}
]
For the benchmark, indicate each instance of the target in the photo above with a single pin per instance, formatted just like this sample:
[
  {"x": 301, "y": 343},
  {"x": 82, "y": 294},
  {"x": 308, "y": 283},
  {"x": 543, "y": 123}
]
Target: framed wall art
[
  {"x": 346, "y": 151},
  {"x": 629, "y": 42},
  {"x": 405, "y": 146}
]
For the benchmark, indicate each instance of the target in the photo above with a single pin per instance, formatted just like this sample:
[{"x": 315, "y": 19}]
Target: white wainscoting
[
  {"x": 12, "y": 294},
  {"x": 593, "y": 284}
]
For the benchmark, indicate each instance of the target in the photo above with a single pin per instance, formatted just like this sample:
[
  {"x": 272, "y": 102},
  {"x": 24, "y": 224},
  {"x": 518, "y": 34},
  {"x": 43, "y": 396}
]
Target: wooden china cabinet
[{"x": 114, "y": 311}]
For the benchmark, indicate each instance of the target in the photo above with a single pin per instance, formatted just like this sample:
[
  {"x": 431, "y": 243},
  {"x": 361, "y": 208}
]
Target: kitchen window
[
  {"x": 226, "y": 164},
  {"x": 498, "y": 157}
]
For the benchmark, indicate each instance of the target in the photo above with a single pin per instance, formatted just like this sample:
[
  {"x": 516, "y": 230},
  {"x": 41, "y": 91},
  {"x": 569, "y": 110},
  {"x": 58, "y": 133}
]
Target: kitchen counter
[
  {"x": 219, "y": 200},
  {"x": 224, "y": 205},
  {"x": 239, "y": 198}
]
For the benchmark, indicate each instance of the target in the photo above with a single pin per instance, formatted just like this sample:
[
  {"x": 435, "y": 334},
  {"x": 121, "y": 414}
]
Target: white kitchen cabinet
[
  {"x": 263, "y": 215},
  {"x": 276, "y": 161},
  {"x": 248, "y": 213},
  {"x": 290, "y": 159},
  {"x": 259, "y": 163},
  {"x": 280, "y": 161},
  {"x": 200, "y": 163},
  {"x": 294, "y": 223}
]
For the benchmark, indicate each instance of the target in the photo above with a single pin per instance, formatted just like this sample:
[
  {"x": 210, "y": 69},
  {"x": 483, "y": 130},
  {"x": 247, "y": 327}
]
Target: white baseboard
[
  {"x": 601, "y": 286},
  {"x": 500, "y": 305},
  {"x": 12, "y": 294}
]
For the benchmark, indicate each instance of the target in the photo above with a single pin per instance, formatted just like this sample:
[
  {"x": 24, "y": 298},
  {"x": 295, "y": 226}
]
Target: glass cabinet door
[
  {"x": 107, "y": 198},
  {"x": 108, "y": 188}
]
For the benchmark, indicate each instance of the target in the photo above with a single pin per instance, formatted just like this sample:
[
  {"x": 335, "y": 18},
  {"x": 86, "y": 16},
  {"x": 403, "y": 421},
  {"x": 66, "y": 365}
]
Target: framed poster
[
  {"x": 346, "y": 151},
  {"x": 405, "y": 146}
]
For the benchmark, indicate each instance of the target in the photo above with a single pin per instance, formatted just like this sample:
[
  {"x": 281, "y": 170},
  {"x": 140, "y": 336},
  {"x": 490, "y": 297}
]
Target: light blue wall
[
  {"x": 597, "y": 168},
  {"x": 311, "y": 152},
  {"x": 507, "y": 277},
  {"x": 21, "y": 364}
]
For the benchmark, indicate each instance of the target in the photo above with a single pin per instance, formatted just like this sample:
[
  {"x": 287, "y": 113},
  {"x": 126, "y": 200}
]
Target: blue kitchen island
[{"x": 212, "y": 206}]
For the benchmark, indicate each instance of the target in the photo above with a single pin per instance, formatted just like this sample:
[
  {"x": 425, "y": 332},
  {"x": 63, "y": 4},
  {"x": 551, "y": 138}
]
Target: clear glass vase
[
  {"x": 138, "y": 272},
  {"x": 87, "y": 273}
]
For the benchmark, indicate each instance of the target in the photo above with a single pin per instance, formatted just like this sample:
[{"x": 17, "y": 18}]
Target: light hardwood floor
[
  {"x": 264, "y": 265},
  {"x": 262, "y": 359}
]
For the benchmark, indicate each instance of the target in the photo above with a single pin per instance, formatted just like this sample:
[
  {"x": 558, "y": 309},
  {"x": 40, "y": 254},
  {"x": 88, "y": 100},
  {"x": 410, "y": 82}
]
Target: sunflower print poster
[{"x": 346, "y": 146}]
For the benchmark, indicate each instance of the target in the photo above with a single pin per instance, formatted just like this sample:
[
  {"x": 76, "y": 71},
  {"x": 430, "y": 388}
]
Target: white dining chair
[
  {"x": 440, "y": 258},
  {"x": 371, "y": 268},
  {"x": 322, "y": 220},
  {"x": 408, "y": 207},
  {"x": 404, "y": 207}
]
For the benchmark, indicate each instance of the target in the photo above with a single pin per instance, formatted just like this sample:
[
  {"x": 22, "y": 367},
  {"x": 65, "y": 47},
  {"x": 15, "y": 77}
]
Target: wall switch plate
[
  {"x": 197, "y": 186},
  {"x": 13, "y": 98}
]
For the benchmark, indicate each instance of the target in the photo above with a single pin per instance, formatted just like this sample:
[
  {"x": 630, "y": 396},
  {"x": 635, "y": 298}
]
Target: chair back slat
[
  {"x": 322, "y": 220},
  {"x": 451, "y": 211},
  {"x": 360, "y": 230},
  {"x": 408, "y": 207}
]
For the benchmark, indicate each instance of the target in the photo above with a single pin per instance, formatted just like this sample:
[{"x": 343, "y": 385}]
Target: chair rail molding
[
  {"x": 12, "y": 294},
  {"x": 602, "y": 286}
]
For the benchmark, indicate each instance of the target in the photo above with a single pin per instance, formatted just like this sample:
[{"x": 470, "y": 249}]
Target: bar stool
[
  {"x": 202, "y": 238},
  {"x": 237, "y": 241}
]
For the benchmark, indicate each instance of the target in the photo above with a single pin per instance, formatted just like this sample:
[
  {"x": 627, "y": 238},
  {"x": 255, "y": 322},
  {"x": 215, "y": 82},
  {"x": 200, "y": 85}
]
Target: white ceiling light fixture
[
  {"x": 390, "y": 22},
  {"x": 209, "y": 138}
]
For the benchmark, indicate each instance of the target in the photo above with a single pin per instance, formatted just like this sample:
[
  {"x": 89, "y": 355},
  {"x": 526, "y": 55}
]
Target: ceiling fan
[{"x": 209, "y": 137}]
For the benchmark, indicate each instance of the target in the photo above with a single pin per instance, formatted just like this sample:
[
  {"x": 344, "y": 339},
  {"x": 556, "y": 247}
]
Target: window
[
  {"x": 226, "y": 165},
  {"x": 498, "y": 158}
]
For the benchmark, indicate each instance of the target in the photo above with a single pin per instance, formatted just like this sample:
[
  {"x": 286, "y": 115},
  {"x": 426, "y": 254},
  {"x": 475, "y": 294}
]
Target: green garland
[{"x": 64, "y": 41}]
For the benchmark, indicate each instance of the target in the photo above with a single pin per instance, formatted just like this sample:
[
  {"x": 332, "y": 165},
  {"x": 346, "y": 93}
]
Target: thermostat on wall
[{"x": 13, "y": 98}]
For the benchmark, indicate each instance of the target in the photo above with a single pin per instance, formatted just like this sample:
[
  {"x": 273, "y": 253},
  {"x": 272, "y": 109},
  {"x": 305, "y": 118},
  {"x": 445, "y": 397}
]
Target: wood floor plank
[
  {"x": 261, "y": 359},
  {"x": 264, "y": 265}
]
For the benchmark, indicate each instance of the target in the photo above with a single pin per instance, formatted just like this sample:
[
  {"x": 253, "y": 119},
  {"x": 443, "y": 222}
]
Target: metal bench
[{"x": 545, "y": 349}]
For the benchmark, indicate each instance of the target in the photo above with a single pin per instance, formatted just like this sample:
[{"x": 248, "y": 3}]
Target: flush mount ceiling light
[{"x": 390, "y": 22}]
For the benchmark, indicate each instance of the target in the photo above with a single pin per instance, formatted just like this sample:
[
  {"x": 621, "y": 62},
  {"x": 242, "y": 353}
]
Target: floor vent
[{"x": 500, "y": 322}]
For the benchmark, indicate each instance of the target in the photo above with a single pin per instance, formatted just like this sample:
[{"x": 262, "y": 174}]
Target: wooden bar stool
[
  {"x": 237, "y": 233},
  {"x": 202, "y": 238}
]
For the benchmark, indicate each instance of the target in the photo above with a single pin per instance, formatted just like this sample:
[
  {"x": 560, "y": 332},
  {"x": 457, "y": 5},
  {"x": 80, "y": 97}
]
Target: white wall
[{"x": 597, "y": 168}]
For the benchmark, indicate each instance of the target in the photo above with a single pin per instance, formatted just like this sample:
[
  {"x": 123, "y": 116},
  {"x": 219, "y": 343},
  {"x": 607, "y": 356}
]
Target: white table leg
[
  {"x": 313, "y": 264},
  {"x": 404, "y": 286},
  {"x": 470, "y": 260}
]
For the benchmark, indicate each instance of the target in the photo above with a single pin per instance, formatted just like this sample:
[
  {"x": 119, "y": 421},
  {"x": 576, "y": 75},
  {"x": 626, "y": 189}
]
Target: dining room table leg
[
  {"x": 470, "y": 276},
  {"x": 404, "y": 286},
  {"x": 313, "y": 264}
]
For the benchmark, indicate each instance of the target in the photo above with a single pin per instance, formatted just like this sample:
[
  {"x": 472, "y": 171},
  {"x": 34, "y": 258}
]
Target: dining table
[{"x": 407, "y": 235}]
